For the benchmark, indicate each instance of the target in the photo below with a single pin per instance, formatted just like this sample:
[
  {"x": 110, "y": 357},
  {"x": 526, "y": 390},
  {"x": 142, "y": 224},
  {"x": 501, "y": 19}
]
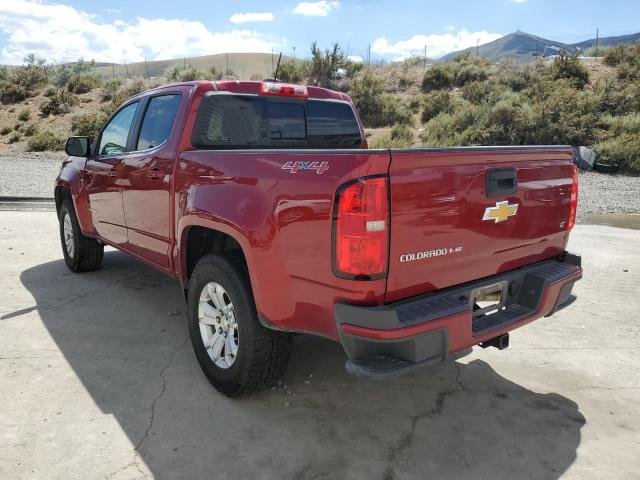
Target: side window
[
  {"x": 114, "y": 136},
  {"x": 158, "y": 121}
]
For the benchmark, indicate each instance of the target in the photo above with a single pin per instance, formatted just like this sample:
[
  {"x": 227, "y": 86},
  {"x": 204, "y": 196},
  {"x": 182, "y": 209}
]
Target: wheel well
[
  {"x": 202, "y": 241},
  {"x": 59, "y": 194}
]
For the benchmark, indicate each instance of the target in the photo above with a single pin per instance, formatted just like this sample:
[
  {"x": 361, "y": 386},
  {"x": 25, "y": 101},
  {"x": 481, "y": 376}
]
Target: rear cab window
[{"x": 228, "y": 121}]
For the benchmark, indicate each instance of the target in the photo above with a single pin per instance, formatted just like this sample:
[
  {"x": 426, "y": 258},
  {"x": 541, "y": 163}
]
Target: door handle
[
  {"x": 155, "y": 174},
  {"x": 500, "y": 182},
  {"x": 112, "y": 173}
]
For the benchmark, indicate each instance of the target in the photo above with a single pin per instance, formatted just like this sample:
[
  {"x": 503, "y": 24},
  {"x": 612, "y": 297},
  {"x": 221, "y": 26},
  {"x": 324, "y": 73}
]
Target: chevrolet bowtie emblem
[{"x": 501, "y": 212}]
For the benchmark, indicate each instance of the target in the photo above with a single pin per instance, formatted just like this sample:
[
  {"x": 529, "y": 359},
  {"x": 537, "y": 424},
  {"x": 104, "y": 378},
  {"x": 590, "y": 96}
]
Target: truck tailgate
[{"x": 455, "y": 216}]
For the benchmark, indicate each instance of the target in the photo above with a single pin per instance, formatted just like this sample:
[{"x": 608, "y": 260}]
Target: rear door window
[
  {"x": 250, "y": 121},
  {"x": 158, "y": 121}
]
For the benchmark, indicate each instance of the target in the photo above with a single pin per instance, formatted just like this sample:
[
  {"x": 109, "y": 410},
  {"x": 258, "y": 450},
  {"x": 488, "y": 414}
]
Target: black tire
[
  {"x": 263, "y": 354},
  {"x": 87, "y": 252},
  {"x": 605, "y": 167}
]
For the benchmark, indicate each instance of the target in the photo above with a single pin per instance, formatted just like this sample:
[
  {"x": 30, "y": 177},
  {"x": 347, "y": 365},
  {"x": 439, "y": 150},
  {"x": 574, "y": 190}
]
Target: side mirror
[{"x": 78, "y": 146}]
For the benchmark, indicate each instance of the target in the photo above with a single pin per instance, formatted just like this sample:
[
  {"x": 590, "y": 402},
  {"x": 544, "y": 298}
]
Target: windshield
[{"x": 249, "y": 121}]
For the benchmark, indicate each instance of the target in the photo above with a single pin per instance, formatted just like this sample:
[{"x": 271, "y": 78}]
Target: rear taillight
[
  {"x": 362, "y": 229},
  {"x": 283, "y": 89},
  {"x": 573, "y": 204}
]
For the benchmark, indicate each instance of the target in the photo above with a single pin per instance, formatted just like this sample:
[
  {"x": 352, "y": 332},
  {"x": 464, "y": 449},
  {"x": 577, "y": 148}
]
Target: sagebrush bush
[
  {"x": 31, "y": 130},
  {"x": 14, "y": 137},
  {"x": 376, "y": 108},
  {"x": 108, "y": 89},
  {"x": 435, "y": 103},
  {"x": 622, "y": 150},
  {"x": 45, "y": 141},
  {"x": 88, "y": 124},
  {"x": 5, "y": 130},
  {"x": 569, "y": 67},
  {"x": 400, "y": 136},
  {"x": 59, "y": 101},
  {"x": 619, "y": 125},
  {"x": 11, "y": 92},
  {"x": 24, "y": 115},
  {"x": 83, "y": 83},
  {"x": 438, "y": 77}
]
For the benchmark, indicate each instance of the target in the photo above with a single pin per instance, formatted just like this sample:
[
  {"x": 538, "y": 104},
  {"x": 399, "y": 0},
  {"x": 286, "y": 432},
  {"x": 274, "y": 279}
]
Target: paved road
[{"x": 99, "y": 382}]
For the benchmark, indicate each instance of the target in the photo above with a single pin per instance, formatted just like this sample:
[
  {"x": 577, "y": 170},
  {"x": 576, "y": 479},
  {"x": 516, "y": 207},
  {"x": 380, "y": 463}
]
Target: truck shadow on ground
[{"x": 122, "y": 329}]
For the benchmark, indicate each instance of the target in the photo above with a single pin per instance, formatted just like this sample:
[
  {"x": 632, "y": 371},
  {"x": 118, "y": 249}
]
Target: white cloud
[
  {"x": 316, "y": 9},
  {"x": 61, "y": 33},
  {"x": 437, "y": 45},
  {"x": 355, "y": 58},
  {"x": 519, "y": 1},
  {"x": 251, "y": 17}
]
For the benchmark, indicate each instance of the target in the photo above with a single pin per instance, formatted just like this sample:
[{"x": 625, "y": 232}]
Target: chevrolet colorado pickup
[{"x": 263, "y": 201}]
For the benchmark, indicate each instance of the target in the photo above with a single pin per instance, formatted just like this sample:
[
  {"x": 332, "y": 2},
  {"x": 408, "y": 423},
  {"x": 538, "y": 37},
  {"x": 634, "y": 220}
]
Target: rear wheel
[
  {"x": 235, "y": 352},
  {"x": 81, "y": 253}
]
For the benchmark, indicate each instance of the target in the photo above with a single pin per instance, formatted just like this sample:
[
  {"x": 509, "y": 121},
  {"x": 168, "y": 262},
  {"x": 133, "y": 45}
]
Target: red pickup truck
[{"x": 263, "y": 200}]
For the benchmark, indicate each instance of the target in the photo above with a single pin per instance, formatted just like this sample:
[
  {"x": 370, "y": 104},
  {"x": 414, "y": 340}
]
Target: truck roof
[{"x": 253, "y": 87}]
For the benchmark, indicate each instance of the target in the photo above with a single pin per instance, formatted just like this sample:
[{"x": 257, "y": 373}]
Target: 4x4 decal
[{"x": 319, "y": 167}]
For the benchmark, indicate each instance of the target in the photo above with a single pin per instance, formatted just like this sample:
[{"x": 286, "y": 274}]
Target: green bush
[
  {"x": 14, "y": 137},
  {"x": 4, "y": 73},
  {"x": 88, "y": 124},
  {"x": 467, "y": 73},
  {"x": 45, "y": 141},
  {"x": 435, "y": 103},
  {"x": 59, "y": 102},
  {"x": 569, "y": 67},
  {"x": 623, "y": 150},
  {"x": 615, "y": 55},
  {"x": 11, "y": 92},
  {"x": 376, "y": 108},
  {"x": 30, "y": 130},
  {"x": 620, "y": 125},
  {"x": 400, "y": 136},
  {"x": 290, "y": 72},
  {"x": 33, "y": 75},
  {"x": 109, "y": 89},
  {"x": 5, "y": 130},
  {"x": 24, "y": 115},
  {"x": 83, "y": 83},
  {"x": 438, "y": 77}
]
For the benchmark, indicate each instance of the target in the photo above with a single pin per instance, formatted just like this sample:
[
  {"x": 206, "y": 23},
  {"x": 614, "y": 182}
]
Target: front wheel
[
  {"x": 235, "y": 352},
  {"x": 81, "y": 253}
]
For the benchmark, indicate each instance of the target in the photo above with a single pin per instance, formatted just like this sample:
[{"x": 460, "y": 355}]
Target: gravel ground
[
  {"x": 29, "y": 174},
  {"x": 33, "y": 174}
]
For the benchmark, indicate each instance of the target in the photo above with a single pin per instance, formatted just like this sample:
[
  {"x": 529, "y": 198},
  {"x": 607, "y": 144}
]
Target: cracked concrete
[{"x": 99, "y": 382}]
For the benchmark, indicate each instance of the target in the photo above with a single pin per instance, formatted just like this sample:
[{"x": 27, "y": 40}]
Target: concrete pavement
[{"x": 98, "y": 381}]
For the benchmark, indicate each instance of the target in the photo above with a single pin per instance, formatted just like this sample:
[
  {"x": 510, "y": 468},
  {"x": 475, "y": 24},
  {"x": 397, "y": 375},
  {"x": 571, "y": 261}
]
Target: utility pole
[
  {"x": 113, "y": 70},
  {"x": 271, "y": 63},
  {"x": 425, "y": 56},
  {"x": 226, "y": 74},
  {"x": 597, "y": 38},
  {"x": 146, "y": 67},
  {"x": 369, "y": 55},
  {"x": 294, "y": 55},
  {"x": 477, "y": 47}
]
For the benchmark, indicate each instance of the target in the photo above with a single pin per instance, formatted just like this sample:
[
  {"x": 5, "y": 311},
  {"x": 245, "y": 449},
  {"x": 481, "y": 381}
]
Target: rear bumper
[{"x": 392, "y": 339}]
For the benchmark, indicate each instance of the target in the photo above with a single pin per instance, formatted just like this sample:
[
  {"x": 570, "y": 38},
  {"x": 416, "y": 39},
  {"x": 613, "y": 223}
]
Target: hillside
[
  {"x": 608, "y": 41},
  {"x": 521, "y": 46},
  {"x": 244, "y": 65},
  {"x": 515, "y": 46}
]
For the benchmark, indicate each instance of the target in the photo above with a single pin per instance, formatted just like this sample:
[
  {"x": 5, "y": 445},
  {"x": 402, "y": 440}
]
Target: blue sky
[{"x": 119, "y": 30}]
